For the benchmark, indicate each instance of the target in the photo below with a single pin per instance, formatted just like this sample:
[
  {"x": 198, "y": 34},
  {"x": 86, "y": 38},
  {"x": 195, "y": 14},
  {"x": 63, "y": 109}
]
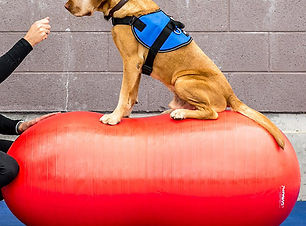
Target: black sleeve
[
  {"x": 11, "y": 60},
  {"x": 8, "y": 126}
]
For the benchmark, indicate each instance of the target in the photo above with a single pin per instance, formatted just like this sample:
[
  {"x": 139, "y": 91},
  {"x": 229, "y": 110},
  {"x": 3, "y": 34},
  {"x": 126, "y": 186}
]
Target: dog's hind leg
[
  {"x": 178, "y": 103},
  {"x": 200, "y": 93},
  {"x": 201, "y": 113}
]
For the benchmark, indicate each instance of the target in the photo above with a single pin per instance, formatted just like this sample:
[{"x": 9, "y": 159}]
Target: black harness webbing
[
  {"x": 147, "y": 68},
  {"x": 129, "y": 20},
  {"x": 116, "y": 8}
]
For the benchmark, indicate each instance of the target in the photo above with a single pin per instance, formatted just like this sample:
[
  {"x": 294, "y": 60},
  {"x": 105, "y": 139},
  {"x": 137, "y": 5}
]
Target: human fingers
[
  {"x": 36, "y": 120},
  {"x": 45, "y": 26},
  {"x": 26, "y": 125},
  {"x": 38, "y": 27},
  {"x": 45, "y": 116},
  {"x": 40, "y": 23},
  {"x": 44, "y": 21},
  {"x": 42, "y": 26},
  {"x": 46, "y": 32},
  {"x": 49, "y": 115}
]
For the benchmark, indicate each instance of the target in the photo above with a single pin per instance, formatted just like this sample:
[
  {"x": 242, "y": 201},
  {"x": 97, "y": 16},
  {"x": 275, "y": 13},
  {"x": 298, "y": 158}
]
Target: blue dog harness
[
  {"x": 155, "y": 23},
  {"x": 156, "y": 31}
]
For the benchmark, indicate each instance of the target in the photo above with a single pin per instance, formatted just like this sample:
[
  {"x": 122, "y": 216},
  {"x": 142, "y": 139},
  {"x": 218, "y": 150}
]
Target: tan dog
[{"x": 200, "y": 89}]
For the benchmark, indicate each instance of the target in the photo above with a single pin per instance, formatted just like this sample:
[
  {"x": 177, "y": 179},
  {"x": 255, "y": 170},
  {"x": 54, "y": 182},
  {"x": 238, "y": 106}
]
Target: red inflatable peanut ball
[{"x": 74, "y": 170}]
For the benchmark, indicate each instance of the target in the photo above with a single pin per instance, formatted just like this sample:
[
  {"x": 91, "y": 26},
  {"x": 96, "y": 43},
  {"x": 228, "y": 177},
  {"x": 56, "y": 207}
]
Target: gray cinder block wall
[{"x": 259, "y": 44}]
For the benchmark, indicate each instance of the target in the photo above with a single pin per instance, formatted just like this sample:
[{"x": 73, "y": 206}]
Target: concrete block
[
  {"x": 100, "y": 92},
  {"x": 15, "y": 15},
  {"x": 288, "y": 51},
  {"x": 268, "y": 15},
  {"x": 235, "y": 51},
  {"x": 35, "y": 92},
  {"x": 198, "y": 15},
  {"x": 289, "y": 123},
  {"x": 229, "y": 51},
  {"x": 72, "y": 51},
  {"x": 94, "y": 91},
  {"x": 18, "y": 15},
  {"x": 270, "y": 92},
  {"x": 153, "y": 96}
]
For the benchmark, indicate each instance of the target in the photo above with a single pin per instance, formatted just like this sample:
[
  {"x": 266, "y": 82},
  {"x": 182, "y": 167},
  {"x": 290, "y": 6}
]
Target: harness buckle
[
  {"x": 177, "y": 31},
  {"x": 133, "y": 20},
  {"x": 147, "y": 70},
  {"x": 107, "y": 18}
]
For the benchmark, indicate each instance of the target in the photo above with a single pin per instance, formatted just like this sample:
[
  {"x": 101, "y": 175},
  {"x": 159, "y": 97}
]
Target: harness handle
[{"x": 179, "y": 24}]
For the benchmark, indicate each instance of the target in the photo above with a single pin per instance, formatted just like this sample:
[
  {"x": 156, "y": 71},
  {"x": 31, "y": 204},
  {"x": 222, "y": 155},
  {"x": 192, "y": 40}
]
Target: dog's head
[{"x": 84, "y": 7}]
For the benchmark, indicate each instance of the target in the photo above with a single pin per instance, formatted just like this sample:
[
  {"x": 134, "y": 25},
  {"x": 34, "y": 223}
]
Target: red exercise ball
[{"x": 75, "y": 170}]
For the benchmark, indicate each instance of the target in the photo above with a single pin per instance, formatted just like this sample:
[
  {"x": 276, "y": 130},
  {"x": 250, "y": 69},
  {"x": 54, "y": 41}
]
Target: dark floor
[{"x": 296, "y": 218}]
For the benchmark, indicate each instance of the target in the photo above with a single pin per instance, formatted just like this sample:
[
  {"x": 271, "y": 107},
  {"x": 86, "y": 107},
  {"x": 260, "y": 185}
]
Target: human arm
[
  {"x": 16, "y": 127},
  {"x": 23, "y": 126},
  {"x": 38, "y": 32},
  {"x": 8, "y": 126},
  {"x": 11, "y": 60}
]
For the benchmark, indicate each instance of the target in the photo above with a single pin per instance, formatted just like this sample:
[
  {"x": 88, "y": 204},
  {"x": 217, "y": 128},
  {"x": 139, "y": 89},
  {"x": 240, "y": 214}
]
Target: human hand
[
  {"x": 38, "y": 31},
  {"x": 26, "y": 125}
]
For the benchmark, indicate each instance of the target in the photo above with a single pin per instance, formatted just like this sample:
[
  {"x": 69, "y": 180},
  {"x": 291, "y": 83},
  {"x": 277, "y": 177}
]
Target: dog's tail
[{"x": 262, "y": 120}]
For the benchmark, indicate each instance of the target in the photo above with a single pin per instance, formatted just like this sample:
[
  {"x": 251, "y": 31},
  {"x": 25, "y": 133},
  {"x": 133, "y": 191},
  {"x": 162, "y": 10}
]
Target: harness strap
[
  {"x": 129, "y": 20},
  {"x": 147, "y": 68},
  {"x": 116, "y": 8}
]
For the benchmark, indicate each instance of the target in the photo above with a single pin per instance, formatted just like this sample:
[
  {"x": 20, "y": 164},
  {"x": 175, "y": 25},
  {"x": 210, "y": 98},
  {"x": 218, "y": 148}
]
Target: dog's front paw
[
  {"x": 167, "y": 111},
  {"x": 110, "y": 119},
  {"x": 178, "y": 114}
]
